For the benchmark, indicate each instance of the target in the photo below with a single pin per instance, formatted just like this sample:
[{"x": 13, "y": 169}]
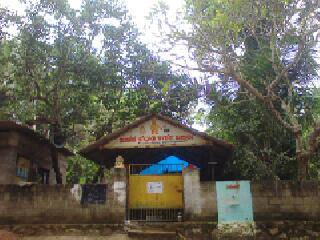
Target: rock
[
  {"x": 263, "y": 236},
  {"x": 106, "y": 231},
  {"x": 312, "y": 233},
  {"x": 214, "y": 234},
  {"x": 196, "y": 230},
  {"x": 4, "y": 235},
  {"x": 273, "y": 231}
]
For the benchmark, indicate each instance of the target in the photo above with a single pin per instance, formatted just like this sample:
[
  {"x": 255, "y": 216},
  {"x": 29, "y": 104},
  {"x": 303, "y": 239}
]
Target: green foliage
[
  {"x": 81, "y": 170},
  {"x": 262, "y": 148},
  {"x": 263, "y": 53},
  {"x": 83, "y": 73}
]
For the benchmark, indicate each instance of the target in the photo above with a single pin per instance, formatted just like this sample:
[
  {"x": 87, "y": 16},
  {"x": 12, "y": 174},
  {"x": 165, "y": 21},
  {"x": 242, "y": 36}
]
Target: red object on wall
[
  {"x": 191, "y": 166},
  {"x": 233, "y": 186}
]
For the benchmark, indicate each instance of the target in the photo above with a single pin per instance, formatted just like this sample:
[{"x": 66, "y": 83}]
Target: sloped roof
[
  {"x": 104, "y": 140},
  {"x": 6, "y": 126}
]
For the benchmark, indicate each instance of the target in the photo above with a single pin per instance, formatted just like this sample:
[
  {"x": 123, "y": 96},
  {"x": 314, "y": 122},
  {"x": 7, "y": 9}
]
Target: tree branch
[
  {"x": 40, "y": 120},
  {"x": 266, "y": 100},
  {"x": 301, "y": 47},
  {"x": 314, "y": 139}
]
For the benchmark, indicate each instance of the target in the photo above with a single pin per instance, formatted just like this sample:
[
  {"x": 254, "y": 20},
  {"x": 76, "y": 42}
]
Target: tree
[
  {"x": 263, "y": 149},
  {"x": 66, "y": 68},
  {"x": 45, "y": 61},
  {"x": 281, "y": 35},
  {"x": 315, "y": 164},
  {"x": 150, "y": 86}
]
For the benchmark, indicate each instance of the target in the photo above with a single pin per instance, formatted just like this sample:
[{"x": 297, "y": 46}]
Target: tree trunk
[
  {"x": 302, "y": 166},
  {"x": 302, "y": 159},
  {"x": 55, "y": 165}
]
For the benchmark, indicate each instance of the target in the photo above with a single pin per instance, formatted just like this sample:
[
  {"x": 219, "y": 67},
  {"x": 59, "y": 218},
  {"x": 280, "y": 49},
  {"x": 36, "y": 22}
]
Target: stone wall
[
  {"x": 263, "y": 230},
  {"x": 272, "y": 201},
  {"x": 277, "y": 200},
  {"x": 199, "y": 197},
  {"x": 45, "y": 204},
  {"x": 208, "y": 201},
  {"x": 286, "y": 200}
]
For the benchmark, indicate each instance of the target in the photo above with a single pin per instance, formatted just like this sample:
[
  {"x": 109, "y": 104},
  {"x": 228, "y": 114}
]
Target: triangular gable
[{"x": 155, "y": 132}]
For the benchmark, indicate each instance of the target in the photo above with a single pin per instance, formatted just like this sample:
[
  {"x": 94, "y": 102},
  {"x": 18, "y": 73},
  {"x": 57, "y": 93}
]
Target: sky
[{"x": 139, "y": 10}]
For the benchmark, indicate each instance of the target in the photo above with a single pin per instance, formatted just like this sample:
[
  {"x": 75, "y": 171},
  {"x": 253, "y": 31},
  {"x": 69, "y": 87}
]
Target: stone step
[
  {"x": 152, "y": 234},
  {"x": 161, "y": 226}
]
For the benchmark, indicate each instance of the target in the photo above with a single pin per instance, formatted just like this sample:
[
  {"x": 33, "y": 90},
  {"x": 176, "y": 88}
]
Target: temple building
[{"x": 155, "y": 152}]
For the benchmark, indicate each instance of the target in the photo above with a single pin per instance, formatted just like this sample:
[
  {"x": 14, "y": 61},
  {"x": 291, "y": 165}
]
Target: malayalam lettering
[{"x": 167, "y": 138}]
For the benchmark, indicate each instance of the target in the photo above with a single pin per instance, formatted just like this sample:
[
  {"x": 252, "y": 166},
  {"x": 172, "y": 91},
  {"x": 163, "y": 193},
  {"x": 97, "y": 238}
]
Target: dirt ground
[
  {"x": 4, "y": 235},
  {"x": 111, "y": 237}
]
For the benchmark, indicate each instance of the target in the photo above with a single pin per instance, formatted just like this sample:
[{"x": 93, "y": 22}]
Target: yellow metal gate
[{"x": 155, "y": 197}]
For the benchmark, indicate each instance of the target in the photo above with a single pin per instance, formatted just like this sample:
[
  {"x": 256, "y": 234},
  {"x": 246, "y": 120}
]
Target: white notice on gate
[{"x": 154, "y": 187}]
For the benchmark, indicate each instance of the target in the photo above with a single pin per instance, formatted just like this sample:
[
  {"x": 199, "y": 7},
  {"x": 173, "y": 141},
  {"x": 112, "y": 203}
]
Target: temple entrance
[
  {"x": 155, "y": 192},
  {"x": 154, "y": 187}
]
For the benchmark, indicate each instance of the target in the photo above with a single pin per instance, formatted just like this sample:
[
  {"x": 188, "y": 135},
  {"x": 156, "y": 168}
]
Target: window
[
  {"x": 23, "y": 168},
  {"x": 43, "y": 176}
]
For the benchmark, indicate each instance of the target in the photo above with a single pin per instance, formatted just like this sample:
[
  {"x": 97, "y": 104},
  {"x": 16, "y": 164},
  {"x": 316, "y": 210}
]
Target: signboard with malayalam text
[{"x": 155, "y": 133}]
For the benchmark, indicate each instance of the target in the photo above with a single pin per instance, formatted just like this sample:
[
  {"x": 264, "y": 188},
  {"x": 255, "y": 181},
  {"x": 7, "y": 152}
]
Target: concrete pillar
[
  {"x": 63, "y": 168},
  {"x": 52, "y": 177},
  {"x": 8, "y": 159},
  {"x": 120, "y": 185},
  {"x": 192, "y": 193}
]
